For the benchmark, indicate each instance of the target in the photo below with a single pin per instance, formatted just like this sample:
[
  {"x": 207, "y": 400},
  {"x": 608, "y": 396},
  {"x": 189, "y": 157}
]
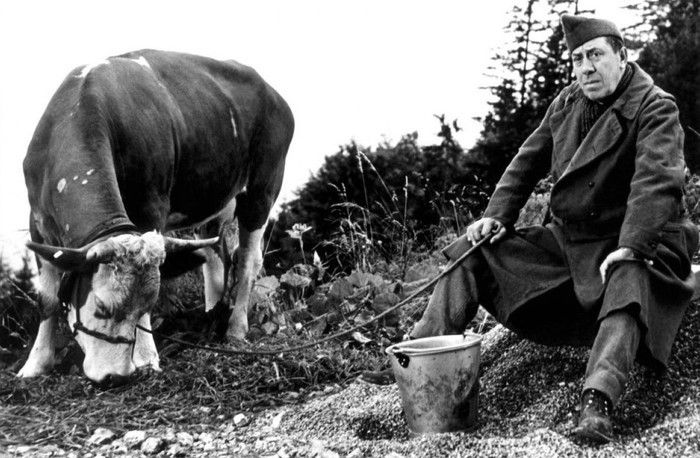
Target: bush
[
  {"x": 19, "y": 311},
  {"x": 365, "y": 206}
]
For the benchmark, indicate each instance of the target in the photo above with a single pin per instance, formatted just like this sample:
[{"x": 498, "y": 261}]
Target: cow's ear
[
  {"x": 178, "y": 263},
  {"x": 66, "y": 259}
]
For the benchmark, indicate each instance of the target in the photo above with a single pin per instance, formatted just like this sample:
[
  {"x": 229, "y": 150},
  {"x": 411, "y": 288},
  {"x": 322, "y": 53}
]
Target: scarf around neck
[{"x": 592, "y": 109}]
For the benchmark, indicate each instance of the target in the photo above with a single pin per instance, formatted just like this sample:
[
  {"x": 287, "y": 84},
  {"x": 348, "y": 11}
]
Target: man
[{"x": 612, "y": 268}]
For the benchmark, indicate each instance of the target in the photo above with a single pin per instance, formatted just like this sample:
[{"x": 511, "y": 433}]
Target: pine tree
[
  {"x": 536, "y": 71},
  {"x": 672, "y": 58}
]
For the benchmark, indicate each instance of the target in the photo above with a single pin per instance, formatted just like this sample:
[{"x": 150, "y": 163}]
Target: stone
[
  {"x": 152, "y": 445},
  {"x": 133, "y": 439},
  {"x": 118, "y": 448},
  {"x": 184, "y": 438},
  {"x": 269, "y": 328},
  {"x": 357, "y": 453},
  {"x": 176, "y": 450},
  {"x": 319, "y": 450},
  {"x": 240, "y": 420},
  {"x": 101, "y": 436},
  {"x": 277, "y": 420},
  {"x": 205, "y": 438},
  {"x": 169, "y": 435}
]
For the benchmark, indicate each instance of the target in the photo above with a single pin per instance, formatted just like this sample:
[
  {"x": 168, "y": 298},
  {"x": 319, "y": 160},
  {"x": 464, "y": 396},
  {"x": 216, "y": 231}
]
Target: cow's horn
[
  {"x": 101, "y": 252},
  {"x": 174, "y": 245},
  {"x": 61, "y": 257}
]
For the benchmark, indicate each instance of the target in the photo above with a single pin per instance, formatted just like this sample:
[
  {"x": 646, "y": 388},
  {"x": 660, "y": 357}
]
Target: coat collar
[{"x": 629, "y": 101}]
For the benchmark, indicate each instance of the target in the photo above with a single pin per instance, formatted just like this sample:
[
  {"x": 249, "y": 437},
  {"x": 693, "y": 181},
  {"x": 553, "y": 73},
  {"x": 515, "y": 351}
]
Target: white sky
[{"x": 361, "y": 69}]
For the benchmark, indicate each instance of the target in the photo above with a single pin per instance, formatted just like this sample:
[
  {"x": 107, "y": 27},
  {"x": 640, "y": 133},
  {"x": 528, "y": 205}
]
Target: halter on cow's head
[{"x": 107, "y": 286}]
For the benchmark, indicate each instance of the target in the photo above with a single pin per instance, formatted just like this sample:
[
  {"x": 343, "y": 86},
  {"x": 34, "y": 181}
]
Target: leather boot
[{"x": 594, "y": 422}]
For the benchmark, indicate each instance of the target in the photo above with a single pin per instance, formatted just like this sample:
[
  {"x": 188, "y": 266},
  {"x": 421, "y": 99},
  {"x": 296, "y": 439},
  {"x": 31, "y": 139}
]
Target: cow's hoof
[
  {"x": 34, "y": 370},
  {"x": 236, "y": 338},
  {"x": 38, "y": 363},
  {"x": 153, "y": 366},
  {"x": 236, "y": 332}
]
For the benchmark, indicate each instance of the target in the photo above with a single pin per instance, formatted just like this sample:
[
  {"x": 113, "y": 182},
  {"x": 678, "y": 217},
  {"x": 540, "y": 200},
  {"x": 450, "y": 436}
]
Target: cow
[{"x": 131, "y": 147}]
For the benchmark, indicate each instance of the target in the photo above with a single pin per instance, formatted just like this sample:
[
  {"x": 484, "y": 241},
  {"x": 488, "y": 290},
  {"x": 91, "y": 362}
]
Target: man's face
[{"x": 598, "y": 68}]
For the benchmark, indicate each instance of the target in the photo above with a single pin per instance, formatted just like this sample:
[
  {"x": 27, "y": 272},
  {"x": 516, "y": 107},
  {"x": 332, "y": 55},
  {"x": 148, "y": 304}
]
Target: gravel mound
[{"x": 528, "y": 406}]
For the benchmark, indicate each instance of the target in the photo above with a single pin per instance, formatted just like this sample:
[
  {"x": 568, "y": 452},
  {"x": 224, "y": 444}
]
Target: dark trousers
[
  {"x": 612, "y": 355},
  {"x": 615, "y": 339}
]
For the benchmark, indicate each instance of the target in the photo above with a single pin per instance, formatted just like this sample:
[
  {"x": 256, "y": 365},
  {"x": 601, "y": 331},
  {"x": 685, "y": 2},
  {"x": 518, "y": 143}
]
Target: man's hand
[
  {"x": 482, "y": 227},
  {"x": 621, "y": 254}
]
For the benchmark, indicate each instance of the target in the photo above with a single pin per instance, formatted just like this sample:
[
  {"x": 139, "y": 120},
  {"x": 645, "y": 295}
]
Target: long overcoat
[{"x": 620, "y": 186}]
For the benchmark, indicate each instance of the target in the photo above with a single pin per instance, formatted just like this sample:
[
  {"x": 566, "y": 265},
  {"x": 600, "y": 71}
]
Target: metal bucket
[{"x": 438, "y": 381}]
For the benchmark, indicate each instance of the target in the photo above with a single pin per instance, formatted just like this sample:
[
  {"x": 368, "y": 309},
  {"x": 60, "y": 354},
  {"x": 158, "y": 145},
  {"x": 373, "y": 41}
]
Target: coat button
[{"x": 591, "y": 184}]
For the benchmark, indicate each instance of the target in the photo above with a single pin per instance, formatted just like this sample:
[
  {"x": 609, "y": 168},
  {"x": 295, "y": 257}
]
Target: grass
[{"x": 195, "y": 390}]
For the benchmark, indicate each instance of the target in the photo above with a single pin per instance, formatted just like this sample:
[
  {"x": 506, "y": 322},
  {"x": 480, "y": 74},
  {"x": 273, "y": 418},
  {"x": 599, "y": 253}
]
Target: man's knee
[{"x": 451, "y": 306}]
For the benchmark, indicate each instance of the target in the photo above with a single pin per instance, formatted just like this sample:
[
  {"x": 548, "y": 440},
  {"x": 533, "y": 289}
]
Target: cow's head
[{"x": 108, "y": 285}]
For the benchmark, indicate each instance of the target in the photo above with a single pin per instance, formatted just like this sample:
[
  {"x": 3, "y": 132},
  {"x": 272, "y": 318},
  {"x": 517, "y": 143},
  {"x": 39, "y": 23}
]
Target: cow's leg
[
  {"x": 42, "y": 356},
  {"x": 215, "y": 268},
  {"x": 267, "y": 153},
  {"x": 249, "y": 264},
  {"x": 214, "y": 276},
  {"x": 145, "y": 351}
]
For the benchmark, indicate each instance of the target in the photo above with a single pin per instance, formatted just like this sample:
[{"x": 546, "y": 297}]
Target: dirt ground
[{"x": 528, "y": 405}]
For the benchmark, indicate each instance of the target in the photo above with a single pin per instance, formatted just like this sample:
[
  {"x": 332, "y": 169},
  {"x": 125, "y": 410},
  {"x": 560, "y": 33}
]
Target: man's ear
[
  {"x": 178, "y": 263},
  {"x": 623, "y": 55}
]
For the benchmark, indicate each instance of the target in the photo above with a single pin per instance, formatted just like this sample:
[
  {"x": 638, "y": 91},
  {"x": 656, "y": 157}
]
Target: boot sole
[{"x": 592, "y": 434}]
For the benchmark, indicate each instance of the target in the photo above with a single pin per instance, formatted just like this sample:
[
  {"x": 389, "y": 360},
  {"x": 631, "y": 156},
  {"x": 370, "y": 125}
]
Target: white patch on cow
[
  {"x": 145, "y": 353},
  {"x": 42, "y": 357},
  {"x": 75, "y": 177},
  {"x": 142, "y": 62},
  {"x": 233, "y": 123},
  {"x": 153, "y": 247},
  {"x": 89, "y": 67},
  {"x": 90, "y": 172},
  {"x": 213, "y": 272},
  {"x": 83, "y": 182},
  {"x": 46, "y": 284},
  {"x": 61, "y": 185},
  {"x": 249, "y": 264},
  {"x": 134, "y": 250}
]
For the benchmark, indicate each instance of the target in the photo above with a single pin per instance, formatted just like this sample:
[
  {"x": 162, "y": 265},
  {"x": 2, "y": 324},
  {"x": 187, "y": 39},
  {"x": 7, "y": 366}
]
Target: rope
[{"x": 227, "y": 351}]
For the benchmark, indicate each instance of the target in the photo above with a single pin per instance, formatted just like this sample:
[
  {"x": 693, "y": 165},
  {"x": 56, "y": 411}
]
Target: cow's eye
[{"x": 101, "y": 310}]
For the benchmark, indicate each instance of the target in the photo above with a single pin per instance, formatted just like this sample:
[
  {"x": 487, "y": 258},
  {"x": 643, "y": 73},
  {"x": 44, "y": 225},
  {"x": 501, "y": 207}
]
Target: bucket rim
[{"x": 471, "y": 339}]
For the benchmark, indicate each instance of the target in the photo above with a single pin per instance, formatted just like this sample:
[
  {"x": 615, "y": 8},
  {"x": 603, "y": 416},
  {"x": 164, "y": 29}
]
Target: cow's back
[
  {"x": 176, "y": 132},
  {"x": 217, "y": 110}
]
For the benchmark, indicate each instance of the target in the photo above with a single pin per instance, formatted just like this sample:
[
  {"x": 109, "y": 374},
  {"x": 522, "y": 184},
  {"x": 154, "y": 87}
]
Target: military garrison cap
[{"x": 580, "y": 29}]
